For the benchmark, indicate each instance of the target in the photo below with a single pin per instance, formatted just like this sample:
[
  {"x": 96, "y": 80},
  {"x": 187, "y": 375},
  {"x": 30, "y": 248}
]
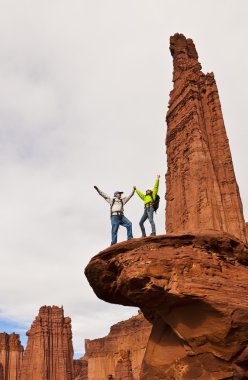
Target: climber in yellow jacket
[{"x": 148, "y": 199}]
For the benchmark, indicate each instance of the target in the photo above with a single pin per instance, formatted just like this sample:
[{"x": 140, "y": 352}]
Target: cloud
[{"x": 84, "y": 87}]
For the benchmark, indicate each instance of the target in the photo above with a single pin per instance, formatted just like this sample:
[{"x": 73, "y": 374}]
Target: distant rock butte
[
  {"x": 49, "y": 352},
  {"x": 202, "y": 192},
  {"x": 11, "y": 352},
  {"x": 193, "y": 289},
  {"x": 120, "y": 353}
]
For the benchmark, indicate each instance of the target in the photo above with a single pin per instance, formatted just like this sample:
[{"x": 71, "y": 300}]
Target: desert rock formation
[
  {"x": 202, "y": 192},
  {"x": 11, "y": 352},
  {"x": 49, "y": 352},
  {"x": 193, "y": 289},
  {"x": 192, "y": 283},
  {"x": 120, "y": 353}
]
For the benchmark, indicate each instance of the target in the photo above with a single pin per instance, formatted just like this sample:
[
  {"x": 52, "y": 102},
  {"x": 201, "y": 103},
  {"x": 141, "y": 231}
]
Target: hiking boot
[{"x": 153, "y": 234}]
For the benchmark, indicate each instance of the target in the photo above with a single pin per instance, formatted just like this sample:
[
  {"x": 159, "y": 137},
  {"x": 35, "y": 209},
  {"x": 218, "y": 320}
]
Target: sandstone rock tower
[
  {"x": 49, "y": 352},
  {"x": 11, "y": 352},
  {"x": 202, "y": 192}
]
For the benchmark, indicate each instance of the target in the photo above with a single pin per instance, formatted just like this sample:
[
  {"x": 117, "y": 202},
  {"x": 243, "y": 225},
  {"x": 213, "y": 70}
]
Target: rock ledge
[{"x": 193, "y": 288}]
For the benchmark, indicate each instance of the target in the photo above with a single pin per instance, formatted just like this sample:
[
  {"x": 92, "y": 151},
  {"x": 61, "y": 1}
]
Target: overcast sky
[{"x": 84, "y": 88}]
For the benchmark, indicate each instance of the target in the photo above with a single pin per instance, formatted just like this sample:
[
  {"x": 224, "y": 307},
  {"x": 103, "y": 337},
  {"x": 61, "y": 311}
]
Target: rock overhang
[
  {"x": 192, "y": 287},
  {"x": 163, "y": 268}
]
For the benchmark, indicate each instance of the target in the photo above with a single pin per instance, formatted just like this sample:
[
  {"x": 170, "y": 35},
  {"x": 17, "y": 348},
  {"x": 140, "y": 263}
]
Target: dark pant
[
  {"x": 148, "y": 214},
  {"x": 120, "y": 220}
]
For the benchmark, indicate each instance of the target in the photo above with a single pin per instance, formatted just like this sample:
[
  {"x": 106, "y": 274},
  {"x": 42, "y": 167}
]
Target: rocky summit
[{"x": 191, "y": 283}]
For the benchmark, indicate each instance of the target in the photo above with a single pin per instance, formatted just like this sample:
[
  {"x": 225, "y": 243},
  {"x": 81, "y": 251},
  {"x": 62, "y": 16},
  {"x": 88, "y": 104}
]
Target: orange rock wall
[
  {"x": 11, "y": 352},
  {"x": 123, "y": 369},
  {"x": 49, "y": 352},
  {"x": 80, "y": 369},
  {"x": 120, "y": 353},
  {"x": 202, "y": 192}
]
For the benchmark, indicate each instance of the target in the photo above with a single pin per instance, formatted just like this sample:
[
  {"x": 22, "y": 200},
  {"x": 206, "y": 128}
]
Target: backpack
[
  {"x": 113, "y": 202},
  {"x": 156, "y": 203}
]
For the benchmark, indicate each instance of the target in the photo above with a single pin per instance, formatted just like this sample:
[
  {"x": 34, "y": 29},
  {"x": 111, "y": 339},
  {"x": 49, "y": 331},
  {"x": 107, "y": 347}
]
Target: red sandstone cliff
[
  {"x": 49, "y": 352},
  {"x": 193, "y": 289},
  {"x": 202, "y": 192},
  {"x": 120, "y": 353},
  {"x": 11, "y": 352}
]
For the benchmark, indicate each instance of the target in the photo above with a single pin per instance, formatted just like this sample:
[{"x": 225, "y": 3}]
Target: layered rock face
[
  {"x": 202, "y": 192},
  {"x": 119, "y": 355},
  {"x": 49, "y": 352},
  {"x": 193, "y": 289},
  {"x": 11, "y": 352}
]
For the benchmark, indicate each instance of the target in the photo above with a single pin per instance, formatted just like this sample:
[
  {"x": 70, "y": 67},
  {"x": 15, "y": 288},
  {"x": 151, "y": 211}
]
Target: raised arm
[
  {"x": 155, "y": 189},
  {"x": 105, "y": 196},
  {"x": 126, "y": 199},
  {"x": 140, "y": 194}
]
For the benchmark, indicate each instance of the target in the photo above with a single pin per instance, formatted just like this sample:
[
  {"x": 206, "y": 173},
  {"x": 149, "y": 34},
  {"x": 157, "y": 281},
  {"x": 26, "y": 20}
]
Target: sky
[{"x": 84, "y": 89}]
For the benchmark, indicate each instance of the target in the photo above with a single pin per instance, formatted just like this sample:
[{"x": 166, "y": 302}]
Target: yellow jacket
[{"x": 148, "y": 198}]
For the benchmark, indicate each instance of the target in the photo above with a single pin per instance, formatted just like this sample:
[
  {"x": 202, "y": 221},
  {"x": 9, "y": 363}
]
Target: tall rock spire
[
  {"x": 49, "y": 352},
  {"x": 202, "y": 192},
  {"x": 11, "y": 352}
]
